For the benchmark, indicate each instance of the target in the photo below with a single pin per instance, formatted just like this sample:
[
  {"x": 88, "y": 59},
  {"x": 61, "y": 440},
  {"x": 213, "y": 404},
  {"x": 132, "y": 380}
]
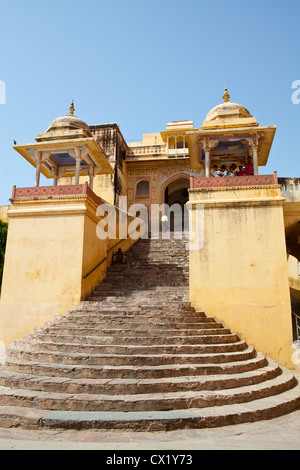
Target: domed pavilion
[
  {"x": 229, "y": 134},
  {"x": 66, "y": 149}
]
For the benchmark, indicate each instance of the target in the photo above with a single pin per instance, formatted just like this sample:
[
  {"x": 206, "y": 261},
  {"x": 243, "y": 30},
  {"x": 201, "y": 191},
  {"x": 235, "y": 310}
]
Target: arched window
[{"x": 142, "y": 188}]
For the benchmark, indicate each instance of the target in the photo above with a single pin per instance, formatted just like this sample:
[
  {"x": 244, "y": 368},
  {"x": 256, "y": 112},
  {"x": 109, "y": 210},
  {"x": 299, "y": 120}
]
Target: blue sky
[{"x": 143, "y": 64}]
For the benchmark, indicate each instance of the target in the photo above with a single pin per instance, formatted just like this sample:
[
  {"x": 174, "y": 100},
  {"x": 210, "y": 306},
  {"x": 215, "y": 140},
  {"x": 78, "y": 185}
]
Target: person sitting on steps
[{"x": 119, "y": 257}]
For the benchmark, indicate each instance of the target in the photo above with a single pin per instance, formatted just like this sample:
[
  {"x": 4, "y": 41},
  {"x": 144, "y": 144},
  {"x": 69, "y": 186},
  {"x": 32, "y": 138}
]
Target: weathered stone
[{"x": 140, "y": 358}]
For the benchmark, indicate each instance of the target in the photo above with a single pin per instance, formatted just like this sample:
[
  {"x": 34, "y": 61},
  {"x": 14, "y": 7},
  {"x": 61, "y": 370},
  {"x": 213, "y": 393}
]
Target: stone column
[
  {"x": 38, "y": 157},
  {"x": 91, "y": 177},
  {"x": 254, "y": 154},
  {"x": 78, "y": 160},
  {"x": 207, "y": 162}
]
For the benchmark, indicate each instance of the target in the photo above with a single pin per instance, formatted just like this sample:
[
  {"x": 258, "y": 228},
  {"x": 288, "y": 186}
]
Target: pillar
[
  {"x": 91, "y": 177},
  {"x": 78, "y": 161},
  {"x": 254, "y": 147},
  {"x": 207, "y": 163},
  {"x": 255, "y": 160},
  {"x": 38, "y": 158}
]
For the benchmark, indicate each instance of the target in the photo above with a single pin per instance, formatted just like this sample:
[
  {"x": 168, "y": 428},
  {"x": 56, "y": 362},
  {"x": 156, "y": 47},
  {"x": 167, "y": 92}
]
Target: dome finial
[
  {"x": 71, "y": 109},
  {"x": 226, "y": 95}
]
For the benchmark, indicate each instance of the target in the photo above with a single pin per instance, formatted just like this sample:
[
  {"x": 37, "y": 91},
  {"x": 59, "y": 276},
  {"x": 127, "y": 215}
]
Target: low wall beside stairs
[
  {"x": 54, "y": 257},
  {"x": 240, "y": 275}
]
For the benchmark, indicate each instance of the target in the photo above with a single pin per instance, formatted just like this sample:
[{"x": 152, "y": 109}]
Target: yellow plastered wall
[
  {"x": 52, "y": 245},
  {"x": 103, "y": 185},
  {"x": 3, "y": 213},
  {"x": 97, "y": 253},
  {"x": 293, "y": 270},
  {"x": 240, "y": 276}
]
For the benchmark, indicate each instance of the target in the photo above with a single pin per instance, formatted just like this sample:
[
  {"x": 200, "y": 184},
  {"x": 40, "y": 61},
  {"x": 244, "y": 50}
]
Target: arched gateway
[{"x": 175, "y": 195}]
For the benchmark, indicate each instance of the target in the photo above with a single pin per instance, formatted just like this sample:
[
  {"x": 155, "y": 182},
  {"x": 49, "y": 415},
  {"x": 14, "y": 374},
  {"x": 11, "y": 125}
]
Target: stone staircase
[{"x": 136, "y": 356}]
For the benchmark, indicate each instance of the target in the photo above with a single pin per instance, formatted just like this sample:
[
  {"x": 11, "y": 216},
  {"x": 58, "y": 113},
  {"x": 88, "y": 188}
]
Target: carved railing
[
  {"x": 233, "y": 181},
  {"x": 36, "y": 192}
]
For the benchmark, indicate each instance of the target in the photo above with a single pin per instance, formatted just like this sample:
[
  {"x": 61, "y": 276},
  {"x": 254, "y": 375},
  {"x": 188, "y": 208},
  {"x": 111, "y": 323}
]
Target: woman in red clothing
[
  {"x": 249, "y": 170},
  {"x": 241, "y": 171}
]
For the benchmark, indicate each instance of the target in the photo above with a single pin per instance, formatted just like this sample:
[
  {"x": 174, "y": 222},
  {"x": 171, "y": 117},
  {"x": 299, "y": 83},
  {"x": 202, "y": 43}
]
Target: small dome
[
  {"x": 228, "y": 114},
  {"x": 66, "y": 127},
  {"x": 227, "y": 108},
  {"x": 68, "y": 123}
]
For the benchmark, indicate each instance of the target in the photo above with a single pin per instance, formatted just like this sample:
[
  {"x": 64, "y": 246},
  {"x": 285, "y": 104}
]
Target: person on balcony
[
  {"x": 224, "y": 170},
  {"x": 216, "y": 172},
  {"x": 241, "y": 171},
  {"x": 249, "y": 170},
  {"x": 232, "y": 170}
]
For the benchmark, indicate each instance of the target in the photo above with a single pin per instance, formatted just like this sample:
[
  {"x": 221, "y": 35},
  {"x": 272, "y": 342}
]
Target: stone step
[
  {"x": 100, "y": 324},
  {"x": 147, "y": 401},
  {"x": 246, "y": 364},
  {"x": 210, "y": 417},
  {"x": 136, "y": 360},
  {"x": 214, "y": 334},
  {"x": 230, "y": 343},
  {"x": 135, "y": 355},
  {"x": 110, "y": 307},
  {"x": 90, "y": 307},
  {"x": 137, "y": 386},
  {"x": 132, "y": 318},
  {"x": 92, "y": 316},
  {"x": 75, "y": 330},
  {"x": 130, "y": 302},
  {"x": 262, "y": 409}
]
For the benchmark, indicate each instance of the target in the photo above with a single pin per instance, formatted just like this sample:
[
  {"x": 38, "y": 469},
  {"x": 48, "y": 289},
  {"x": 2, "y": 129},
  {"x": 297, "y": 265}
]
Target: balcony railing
[
  {"x": 183, "y": 152},
  {"x": 149, "y": 150},
  {"x": 232, "y": 181}
]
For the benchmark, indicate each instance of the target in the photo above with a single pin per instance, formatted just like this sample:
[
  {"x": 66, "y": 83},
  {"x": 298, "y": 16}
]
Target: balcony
[
  {"x": 179, "y": 152},
  {"x": 233, "y": 181}
]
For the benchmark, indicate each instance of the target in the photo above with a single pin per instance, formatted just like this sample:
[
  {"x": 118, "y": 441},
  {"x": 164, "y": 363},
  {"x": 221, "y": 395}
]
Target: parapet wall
[
  {"x": 54, "y": 258},
  {"x": 240, "y": 274}
]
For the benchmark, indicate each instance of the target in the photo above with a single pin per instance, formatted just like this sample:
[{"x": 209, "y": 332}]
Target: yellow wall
[
  {"x": 3, "y": 213},
  {"x": 103, "y": 185},
  {"x": 293, "y": 270},
  {"x": 240, "y": 275},
  {"x": 52, "y": 245}
]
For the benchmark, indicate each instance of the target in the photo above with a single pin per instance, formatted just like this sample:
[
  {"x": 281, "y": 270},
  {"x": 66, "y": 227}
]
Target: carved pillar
[
  {"x": 207, "y": 162},
  {"x": 252, "y": 145},
  {"x": 38, "y": 158},
  {"x": 55, "y": 179},
  {"x": 91, "y": 176},
  {"x": 78, "y": 160},
  {"x": 207, "y": 146},
  {"x": 254, "y": 153}
]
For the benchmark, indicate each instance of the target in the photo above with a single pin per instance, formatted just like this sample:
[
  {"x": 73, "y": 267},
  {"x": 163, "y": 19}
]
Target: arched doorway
[{"x": 176, "y": 194}]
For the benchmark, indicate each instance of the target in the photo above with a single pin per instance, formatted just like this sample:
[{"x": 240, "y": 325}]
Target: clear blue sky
[{"x": 143, "y": 64}]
